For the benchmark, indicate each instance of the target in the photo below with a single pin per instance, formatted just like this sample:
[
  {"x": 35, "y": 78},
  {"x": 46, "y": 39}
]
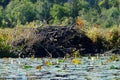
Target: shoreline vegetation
[
  {"x": 107, "y": 40},
  {"x": 22, "y": 20}
]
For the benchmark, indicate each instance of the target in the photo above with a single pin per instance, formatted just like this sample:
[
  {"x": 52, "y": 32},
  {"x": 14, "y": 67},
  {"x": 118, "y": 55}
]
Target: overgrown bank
[{"x": 58, "y": 41}]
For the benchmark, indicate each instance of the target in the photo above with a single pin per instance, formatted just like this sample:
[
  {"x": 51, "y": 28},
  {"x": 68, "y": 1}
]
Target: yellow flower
[
  {"x": 48, "y": 63},
  {"x": 108, "y": 60},
  {"x": 76, "y": 61},
  {"x": 114, "y": 58}
]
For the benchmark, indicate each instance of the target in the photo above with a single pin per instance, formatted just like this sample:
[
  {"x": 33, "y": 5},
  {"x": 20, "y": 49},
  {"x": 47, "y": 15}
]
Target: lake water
[{"x": 57, "y": 69}]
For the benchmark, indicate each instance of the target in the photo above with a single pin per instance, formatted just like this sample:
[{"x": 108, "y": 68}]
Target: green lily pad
[
  {"x": 27, "y": 67},
  {"x": 113, "y": 67},
  {"x": 60, "y": 60}
]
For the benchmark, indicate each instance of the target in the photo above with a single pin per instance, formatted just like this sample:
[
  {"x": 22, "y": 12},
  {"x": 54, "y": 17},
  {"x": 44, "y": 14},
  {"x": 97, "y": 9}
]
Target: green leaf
[
  {"x": 113, "y": 67},
  {"x": 27, "y": 67}
]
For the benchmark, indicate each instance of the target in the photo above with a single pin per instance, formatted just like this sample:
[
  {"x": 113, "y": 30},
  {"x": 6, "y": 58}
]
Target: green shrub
[
  {"x": 5, "y": 46},
  {"x": 107, "y": 38}
]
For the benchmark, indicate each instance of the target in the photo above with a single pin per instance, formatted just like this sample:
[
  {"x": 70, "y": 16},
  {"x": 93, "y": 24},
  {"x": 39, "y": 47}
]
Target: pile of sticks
[{"x": 56, "y": 41}]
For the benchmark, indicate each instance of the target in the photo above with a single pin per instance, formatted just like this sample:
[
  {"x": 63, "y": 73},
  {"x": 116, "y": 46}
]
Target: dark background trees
[{"x": 102, "y": 12}]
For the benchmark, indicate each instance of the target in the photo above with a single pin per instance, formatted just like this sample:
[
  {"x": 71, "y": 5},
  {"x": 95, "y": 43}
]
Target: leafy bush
[
  {"x": 113, "y": 37},
  {"x": 5, "y": 46},
  {"x": 106, "y": 38}
]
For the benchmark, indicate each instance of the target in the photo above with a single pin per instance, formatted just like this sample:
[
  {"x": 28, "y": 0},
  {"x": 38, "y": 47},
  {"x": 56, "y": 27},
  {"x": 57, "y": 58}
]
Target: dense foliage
[{"x": 59, "y": 12}]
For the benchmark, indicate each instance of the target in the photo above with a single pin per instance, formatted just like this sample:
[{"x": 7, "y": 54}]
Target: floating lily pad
[{"x": 27, "y": 67}]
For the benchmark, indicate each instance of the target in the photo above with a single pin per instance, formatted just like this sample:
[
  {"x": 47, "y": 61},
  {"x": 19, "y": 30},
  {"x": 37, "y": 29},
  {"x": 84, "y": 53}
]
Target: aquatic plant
[
  {"x": 112, "y": 58},
  {"x": 76, "y": 54},
  {"x": 48, "y": 63},
  {"x": 27, "y": 67},
  {"x": 39, "y": 67},
  {"x": 114, "y": 67},
  {"x": 76, "y": 61}
]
